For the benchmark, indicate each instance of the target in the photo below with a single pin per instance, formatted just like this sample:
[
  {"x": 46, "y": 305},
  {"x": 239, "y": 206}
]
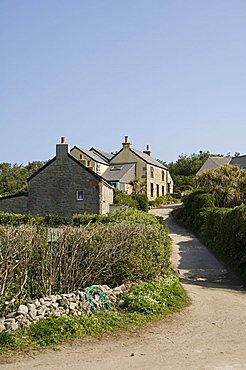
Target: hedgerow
[
  {"x": 223, "y": 230},
  {"x": 124, "y": 246}
]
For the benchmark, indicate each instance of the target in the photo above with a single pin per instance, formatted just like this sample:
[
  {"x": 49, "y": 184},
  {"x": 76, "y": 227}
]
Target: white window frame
[{"x": 78, "y": 195}]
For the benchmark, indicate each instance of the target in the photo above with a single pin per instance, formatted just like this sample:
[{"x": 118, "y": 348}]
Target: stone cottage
[
  {"x": 126, "y": 166},
  {"x": 63, "y": 186}
]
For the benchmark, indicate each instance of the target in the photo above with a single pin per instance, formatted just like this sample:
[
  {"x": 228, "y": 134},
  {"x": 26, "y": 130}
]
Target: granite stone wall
[
  {"x": 54, "y": 189},
  {"x": 14, "y": 204}
]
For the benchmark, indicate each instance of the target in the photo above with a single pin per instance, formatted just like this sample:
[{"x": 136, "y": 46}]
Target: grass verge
[{"x": 144, "y": 302}]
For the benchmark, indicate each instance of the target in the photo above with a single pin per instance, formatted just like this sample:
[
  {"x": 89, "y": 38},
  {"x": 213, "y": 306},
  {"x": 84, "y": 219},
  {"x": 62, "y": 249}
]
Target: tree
[
  {"x": 138, "y": 186},
  {"x": 13, "y": 177},
  {"x": 227, "y": 183},
  {"x": 184, "y": 170}
]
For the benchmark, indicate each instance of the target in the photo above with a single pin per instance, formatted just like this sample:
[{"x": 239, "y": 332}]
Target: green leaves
[
  {"x": 13, "y": 177},
  {"x": 156, "y": 297},
  {"x": 227, "y": 183}
]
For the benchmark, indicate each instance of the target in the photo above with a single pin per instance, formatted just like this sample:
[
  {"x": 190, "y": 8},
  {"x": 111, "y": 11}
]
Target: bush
[
  {"x": 163, "y": 200},
  {"x": 128, "y": 245},
  {"x": 123, "y": 198},
  {"x": 142, "y": 202},
  {"x": 222, "y": 229},
  {"x": 156, "y": 297},
  {"x": 195, "y": 201}
]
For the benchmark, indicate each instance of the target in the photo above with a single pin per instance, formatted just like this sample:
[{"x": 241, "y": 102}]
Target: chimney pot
[
  {"x": 126, "y": 139},
  {"x": 147, "y": 147},
  {"x": 63, "y": 140}
]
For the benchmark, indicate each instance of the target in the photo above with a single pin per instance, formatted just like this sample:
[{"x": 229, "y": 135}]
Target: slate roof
[
  {"x": 91, "y": 155},
  {"x": 240, "y": 160},
  {"x": 148, "y": 158},
  {"x": 106, "y": 156},
  {"x": 214, "y": 162},
  {"x": 145, "y": 157},
  {"x": 122, "y": 172}
]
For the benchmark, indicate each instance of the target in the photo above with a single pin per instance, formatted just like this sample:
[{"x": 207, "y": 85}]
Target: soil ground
[{"x": 210, "y": 334}]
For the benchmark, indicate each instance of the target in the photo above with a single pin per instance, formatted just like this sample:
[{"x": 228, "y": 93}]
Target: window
[
  {"x": 89, "y": 163},
  {"x": 81, "y": 156},
  {"x": 152, "y": 172},
  {"x": 80, "y": 195},
  {"x": 151, "y": 190},
  {"x": 163, "y": 190},
  {"x": 157, "y": 190},
  {"x": 98, "y": 168},
  {"x": 163, "y": 176},
  {"x": 168, "y": 187}
]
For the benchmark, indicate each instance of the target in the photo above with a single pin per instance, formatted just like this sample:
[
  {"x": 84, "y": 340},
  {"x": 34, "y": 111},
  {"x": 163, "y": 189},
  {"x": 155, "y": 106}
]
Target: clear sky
[{"x": 169, "y": 73}]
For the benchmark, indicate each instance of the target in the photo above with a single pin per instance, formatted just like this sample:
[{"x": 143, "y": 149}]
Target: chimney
[
  {"x": 147, "y": 151},
  {"x": 62, "y": 149},
  {"x": 126, "y": 144}
]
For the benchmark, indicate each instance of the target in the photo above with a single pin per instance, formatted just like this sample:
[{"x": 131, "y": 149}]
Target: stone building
[
  {"x": 63, "y": 186},
  {"x": 151, "y": 174},
  {"x": 82, "y": 181},
  {"x": 126, "y": 166}
]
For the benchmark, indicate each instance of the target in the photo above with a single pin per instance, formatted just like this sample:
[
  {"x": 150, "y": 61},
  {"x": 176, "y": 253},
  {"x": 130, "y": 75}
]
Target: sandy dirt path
[{"x": 210, "y": 334}]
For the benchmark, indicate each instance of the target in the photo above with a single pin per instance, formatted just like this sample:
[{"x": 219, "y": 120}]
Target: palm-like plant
[{"x": 227, "y": 183}]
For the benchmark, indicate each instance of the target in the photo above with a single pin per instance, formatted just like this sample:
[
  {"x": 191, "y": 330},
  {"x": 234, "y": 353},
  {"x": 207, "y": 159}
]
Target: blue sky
[{"x": 169, "y": 73}]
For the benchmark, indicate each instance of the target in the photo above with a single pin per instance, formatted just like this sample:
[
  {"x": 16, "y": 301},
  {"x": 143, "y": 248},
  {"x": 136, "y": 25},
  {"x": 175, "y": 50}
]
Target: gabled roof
[
  {"x": 145, "y": 157},
  {"x": 240, "y": 160},
  {"x": 91, "y": 155},
  {"x": 21, "y": 194},
  {"x": 148, "y": 158},
  {"x": 78, "y": 162},
  {"x": 213, "y": 162},
  {"x": 106, "y": 156},
  {"x": 41, "y": 168},
  {"x": 122, "y": 172}
]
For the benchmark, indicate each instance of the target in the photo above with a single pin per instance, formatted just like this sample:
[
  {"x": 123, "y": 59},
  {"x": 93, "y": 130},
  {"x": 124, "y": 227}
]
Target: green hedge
[
  {"x": 136, "y": 201},
  {"x": 163, "y": 200},
  {"x": 128, "y": 245},
  {"x": 223, "y": 230}
]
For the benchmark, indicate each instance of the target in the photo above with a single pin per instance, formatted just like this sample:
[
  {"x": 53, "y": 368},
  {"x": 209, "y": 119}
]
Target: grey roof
[
  {"x": 240, "y": 160},
  {"x": 90, "y": 154},
  {"x": 213, "y": 162},
  {"x": 122, "y": 172},
  {"x": 148, "y": 158},
  {"x": 105, "y": 155}
]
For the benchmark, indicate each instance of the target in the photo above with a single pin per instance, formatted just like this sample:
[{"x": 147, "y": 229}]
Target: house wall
[
  {"x": 54, "y": 189},
  {"x": 106, "y": 198},
  {"x": 157, "y": 180},
  {"x": 94, "y": 165},
  {"x": 143, "y": 173},
  {"x": 14, "y": 204},
  {"x": 126, "y": 156}
]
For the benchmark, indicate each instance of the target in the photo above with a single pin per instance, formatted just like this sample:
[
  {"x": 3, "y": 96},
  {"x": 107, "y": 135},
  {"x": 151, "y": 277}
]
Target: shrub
[
  {"x": 128, "y": 245},
  {"x": 222, "y": 229},
  {"x": 123, "y": 198},
  {"x": 142, "y": 202},
  {"x": 156, "y": 297},
  {"x": 163, "y": 200}
]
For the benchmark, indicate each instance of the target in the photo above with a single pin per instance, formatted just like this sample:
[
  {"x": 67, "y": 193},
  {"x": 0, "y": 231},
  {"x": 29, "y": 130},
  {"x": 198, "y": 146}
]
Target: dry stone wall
[{"x": 75, "y": 304}]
